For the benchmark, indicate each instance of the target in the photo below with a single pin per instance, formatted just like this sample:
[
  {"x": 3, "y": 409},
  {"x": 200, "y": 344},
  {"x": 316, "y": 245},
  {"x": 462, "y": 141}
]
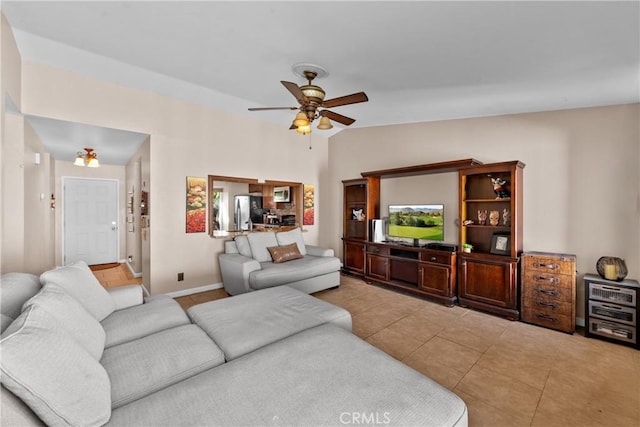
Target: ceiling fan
[{"x": 313, "y": 105}]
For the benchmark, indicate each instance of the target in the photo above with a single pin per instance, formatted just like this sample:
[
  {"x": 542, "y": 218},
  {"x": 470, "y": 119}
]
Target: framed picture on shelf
[{"x": 500, "y": 244}]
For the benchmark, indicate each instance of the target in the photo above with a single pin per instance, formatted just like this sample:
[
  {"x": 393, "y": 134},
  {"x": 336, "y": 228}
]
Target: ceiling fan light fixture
[
  {"x": 301, "y": 119},
  {"x": 304, "y": 129},
  {"x": 324, "y": 123}
]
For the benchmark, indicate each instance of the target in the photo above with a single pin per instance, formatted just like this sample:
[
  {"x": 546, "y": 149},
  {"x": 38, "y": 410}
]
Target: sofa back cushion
[
  {"x": 79, "y": 282},
  {"x": 15, "y": 290},
  {"x": 259, "y": 243},
  {"x": 292, "y": 236},
  {"x": 242, "y": 244},
  {"x": 77, "y": 321},
  {"x": 50, "y": 372}
]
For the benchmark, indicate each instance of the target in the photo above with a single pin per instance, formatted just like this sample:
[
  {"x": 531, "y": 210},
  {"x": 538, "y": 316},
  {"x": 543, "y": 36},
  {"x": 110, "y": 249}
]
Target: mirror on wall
[{"x": 242, "y": 205}]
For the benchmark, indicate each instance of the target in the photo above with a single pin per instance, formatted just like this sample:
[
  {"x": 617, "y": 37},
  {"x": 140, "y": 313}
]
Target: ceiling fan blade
[
  {"x": 337, "y": 117},
  {"x": 354, "y": 98},
  {"x": 272, "y": 108},
  {"x": 295, "y": 91}
]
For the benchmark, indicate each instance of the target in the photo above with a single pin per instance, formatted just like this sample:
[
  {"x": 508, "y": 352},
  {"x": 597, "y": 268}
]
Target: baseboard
[
  {"x": 192, "y": 291},
  {"x": 136, "y": 275}
]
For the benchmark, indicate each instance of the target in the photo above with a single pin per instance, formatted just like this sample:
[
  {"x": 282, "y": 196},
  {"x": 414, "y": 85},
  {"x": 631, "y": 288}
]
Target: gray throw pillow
[
  {"x": 242, "y": 243},
  {"x": 259, "y": 243},
  {"x": 15, "y": 290},
  {"x": 79, "y": 282},
  {"x": 52, "y": 374},
  {"x": 77, "y": 321},
  {"x": 292, "y": 236}
]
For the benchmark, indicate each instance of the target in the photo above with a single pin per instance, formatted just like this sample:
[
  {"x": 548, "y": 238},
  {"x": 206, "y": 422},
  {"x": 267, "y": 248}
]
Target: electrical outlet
[{"x": 180, "y": 277}]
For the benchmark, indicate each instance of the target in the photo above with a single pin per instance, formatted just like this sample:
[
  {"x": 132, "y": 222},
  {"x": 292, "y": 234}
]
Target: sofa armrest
[
  {"x": 126, "y": 296},
  {"x": 318, "y": 251},
  {"x": 235, "y": 270}
]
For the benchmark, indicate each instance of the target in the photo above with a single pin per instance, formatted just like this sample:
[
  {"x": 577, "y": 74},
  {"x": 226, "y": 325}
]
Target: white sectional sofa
[
  {"x": 75, "y": 355},
  {"x": 248, "y": 264}
]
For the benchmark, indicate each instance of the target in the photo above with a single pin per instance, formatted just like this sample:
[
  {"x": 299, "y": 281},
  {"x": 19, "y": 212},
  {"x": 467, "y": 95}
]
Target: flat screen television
[{"x": 422, "y": 222}]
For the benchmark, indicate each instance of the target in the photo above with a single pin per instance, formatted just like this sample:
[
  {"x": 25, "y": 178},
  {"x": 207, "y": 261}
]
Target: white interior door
[{"x": 90, "y": 220}]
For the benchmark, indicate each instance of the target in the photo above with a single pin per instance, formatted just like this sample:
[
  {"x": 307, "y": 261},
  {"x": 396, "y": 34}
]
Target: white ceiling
[{"x": 417, "y": 61}]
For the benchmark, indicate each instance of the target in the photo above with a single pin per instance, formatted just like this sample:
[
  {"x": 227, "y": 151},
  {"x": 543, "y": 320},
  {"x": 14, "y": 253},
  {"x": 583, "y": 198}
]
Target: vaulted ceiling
[{"x": 417, "y": 61}]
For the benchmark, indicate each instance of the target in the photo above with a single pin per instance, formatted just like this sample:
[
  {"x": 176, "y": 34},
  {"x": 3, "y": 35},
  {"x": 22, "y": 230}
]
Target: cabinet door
[
  {"x": 354, "y": 257},
  {"x": 435, "y": 279},
  {"x": 377, "y": 267},
  {"x": 488, "y": 281}
]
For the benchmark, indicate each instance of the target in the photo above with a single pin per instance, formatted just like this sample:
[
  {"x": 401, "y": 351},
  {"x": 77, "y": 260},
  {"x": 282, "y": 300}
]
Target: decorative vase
[{"x": 612, "y": 268}]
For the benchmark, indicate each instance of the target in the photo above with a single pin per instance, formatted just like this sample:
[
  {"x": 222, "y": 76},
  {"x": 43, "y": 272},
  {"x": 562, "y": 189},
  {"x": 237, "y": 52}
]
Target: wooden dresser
[{"x": 548, "y": 290}]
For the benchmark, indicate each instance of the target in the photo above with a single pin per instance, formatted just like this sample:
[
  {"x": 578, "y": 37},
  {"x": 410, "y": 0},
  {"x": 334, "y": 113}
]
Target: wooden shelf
[{"x": 486, "y": 200}]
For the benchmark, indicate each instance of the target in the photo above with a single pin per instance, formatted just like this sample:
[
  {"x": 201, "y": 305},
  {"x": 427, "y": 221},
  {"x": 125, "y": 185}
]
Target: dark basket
[{"x": 621, "y": 267}]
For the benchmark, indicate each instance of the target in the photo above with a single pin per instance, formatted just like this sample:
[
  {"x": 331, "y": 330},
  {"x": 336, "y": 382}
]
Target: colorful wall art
[
  {"x": 196, "y": 205},
  {"x": 309, "y": 204}
]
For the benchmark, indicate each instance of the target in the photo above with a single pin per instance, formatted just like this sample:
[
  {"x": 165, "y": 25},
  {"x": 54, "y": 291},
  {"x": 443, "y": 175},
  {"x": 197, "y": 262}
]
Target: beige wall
[
  {"x": 185, "y": 140},
  {"x": 580, "y": 180},
  {"x": 27, "y": 220}
]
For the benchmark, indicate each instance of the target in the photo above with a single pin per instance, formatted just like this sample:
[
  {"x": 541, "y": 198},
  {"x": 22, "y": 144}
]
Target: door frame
[{"x": 65, "y": 179}]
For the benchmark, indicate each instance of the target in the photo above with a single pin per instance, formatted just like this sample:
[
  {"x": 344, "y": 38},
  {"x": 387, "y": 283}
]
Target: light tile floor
[{"x": 508, "y": 373}]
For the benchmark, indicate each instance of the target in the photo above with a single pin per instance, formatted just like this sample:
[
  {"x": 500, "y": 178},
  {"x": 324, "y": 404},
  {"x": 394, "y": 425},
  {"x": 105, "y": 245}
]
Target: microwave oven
[{"x": 281, "y": 194}]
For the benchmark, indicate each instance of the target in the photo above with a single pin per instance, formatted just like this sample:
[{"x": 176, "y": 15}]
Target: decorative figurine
[
  {"x": 499, "y": 188},
  {"x": 494, "y": 217},
  {"x": 482, "y": 217},
  {"x": 506, "y": 216},
  {"x": 358, "y": 214}
]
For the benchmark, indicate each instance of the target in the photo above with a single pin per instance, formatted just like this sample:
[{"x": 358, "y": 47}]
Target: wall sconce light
[{"x": 88, "y": 159}]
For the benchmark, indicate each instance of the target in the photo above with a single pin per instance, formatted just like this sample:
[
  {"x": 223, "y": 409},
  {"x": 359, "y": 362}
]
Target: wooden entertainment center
[
  {"x": 419, "y": 270},
  {"x": 486, "y": 278}
]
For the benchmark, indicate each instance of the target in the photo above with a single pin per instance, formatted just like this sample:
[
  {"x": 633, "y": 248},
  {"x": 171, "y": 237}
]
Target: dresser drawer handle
[
  {"x": 547, "y": 279},
  {"x": 433, "y": 258},
  {"x": 546, "y": 317},
  {"x": 549, "y": 266},
  {"x": 552, "y": 292},
  {"x": 546, "y": 304}
]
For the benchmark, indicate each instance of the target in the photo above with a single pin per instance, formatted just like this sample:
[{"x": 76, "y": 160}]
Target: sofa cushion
[
  {"x": 49, "y": 371},
  {"x": 151, "y": 363},
  {"x": 292, "y": 236},
  {"x": 284, "y": 253},
  {"x": 249, "y": 321},
  {"x": 78, "y": 280},
  {"x": 319, "y": 377},
  {"x": 242, "y": 244},
  {"x": 298, "y": 269},
  {"x": 15, "y": 290},
  {"x": 158, "y": 313},
  {"x": 259, "y": 243},
  {"x": 77, "y": 321}
]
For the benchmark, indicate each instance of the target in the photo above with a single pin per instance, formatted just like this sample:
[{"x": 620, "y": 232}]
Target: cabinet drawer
[
  {"x": 552, "y": 320},
  {"x": 549, "y": 265},
  {"x": 379, "y": 250},
  {"x": 548, "y": 305},
  {"x": 547, "y": 292},
  {"x": 436, "y": 258},
  {"x": 547, "y": 280}
]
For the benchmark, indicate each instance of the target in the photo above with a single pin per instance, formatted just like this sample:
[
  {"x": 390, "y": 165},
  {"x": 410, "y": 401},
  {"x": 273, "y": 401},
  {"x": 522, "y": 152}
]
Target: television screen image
[{"x": 425, "y": 222}]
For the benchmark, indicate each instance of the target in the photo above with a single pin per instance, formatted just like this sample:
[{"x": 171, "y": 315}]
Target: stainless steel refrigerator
[{"x": 247, "y": 211}]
